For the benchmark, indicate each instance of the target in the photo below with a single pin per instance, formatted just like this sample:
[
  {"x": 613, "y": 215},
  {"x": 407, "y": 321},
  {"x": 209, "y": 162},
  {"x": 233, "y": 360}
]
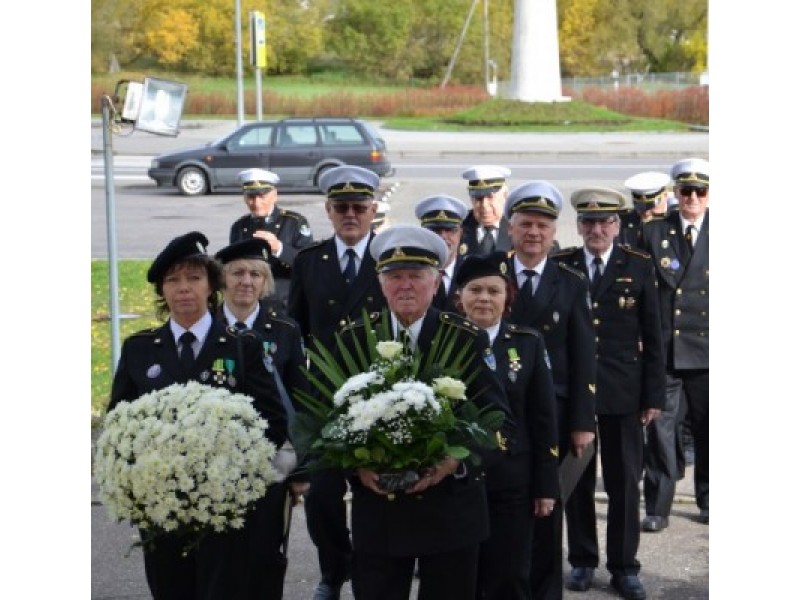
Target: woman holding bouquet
[
  {"x": 441, "y": 519},
  {"x": 524, "y": 483},
  {"x": 194, "y": 346}
]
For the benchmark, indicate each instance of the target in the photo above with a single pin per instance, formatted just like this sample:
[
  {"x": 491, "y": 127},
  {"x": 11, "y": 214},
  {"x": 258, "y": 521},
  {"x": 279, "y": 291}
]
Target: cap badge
[
  {"x": 348, "y": 187},
  {"x": 200, "y": 248},
  {"x": 503, "y": 268},
  {"x": 441, "y": 215},
  {"x": 398, "y": 252}
]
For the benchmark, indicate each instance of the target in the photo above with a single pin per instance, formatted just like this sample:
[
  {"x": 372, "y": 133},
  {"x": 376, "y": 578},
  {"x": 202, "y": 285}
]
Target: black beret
[
  {"x": 253, "y": 248},
  {"x": 481, "y": 265},
  {"x": 180, "y": 248}
]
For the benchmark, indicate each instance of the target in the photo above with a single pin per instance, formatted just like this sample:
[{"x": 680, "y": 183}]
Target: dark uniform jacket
[
  {"x": 320, "y": 300},
  {"x": 532, "y": 462},
  {"x": 283, "y": 347},
  {"x": 149, "y": 361},
  {"x": 454, "y": 513},
  {"x": 291, "y": 228},
  {"x": 447, "y": 300},
  {"x": 630, "y": 231},
  {"x": 683, "y": 290},
  {"x": 560, "y": 311},
  {"x": 469, "y": 236},
  {"x": 627, "y": 323}
]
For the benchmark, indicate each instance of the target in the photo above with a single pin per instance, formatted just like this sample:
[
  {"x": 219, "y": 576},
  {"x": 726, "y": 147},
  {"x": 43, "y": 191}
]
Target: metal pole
[
  {"x": 258, "y": 93},
  {"x": 239, "y": 74},
  {"x": 486, "y": 43},
  {"x": 458, "y": 45},
  {"x": 111, "y": 234}
]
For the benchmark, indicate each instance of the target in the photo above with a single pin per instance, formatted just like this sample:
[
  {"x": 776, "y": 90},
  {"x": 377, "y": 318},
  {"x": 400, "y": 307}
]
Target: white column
[{"x": 535, "y": 71}]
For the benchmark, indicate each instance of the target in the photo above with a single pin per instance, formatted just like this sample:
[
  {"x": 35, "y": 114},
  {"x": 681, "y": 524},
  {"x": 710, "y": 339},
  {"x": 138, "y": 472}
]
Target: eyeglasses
[
  {"x": 701, "y": 192},
  {"x": 604, "y": 223},
  {"x": 343, "y": 207}
]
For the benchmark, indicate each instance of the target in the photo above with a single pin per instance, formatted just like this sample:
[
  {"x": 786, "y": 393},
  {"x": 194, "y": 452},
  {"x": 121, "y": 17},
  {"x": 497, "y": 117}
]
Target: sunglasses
[
  {"x": 687, "y": 191},
  {"x": 343, "y": 207}
]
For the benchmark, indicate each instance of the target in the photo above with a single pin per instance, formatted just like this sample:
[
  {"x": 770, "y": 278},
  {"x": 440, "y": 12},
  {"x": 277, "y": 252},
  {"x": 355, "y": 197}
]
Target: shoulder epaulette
[
  {"x": 564, "y": 252},
  {"x": 572, "y": 270},
  {"x": 285, "y": 212},
  {"x": 359, "y": 323},
  {"x": 280, "y": 318},
  {"x": 458, "y": 321},
  {"x": 514, "y": 328},
  {"x": 311, "y": 246},
  {"x": 145, "y": 332},
  {"x": 635, "y": 251}
]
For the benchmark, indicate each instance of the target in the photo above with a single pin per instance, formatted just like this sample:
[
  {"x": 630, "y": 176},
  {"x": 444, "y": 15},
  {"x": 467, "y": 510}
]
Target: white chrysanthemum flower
[
  {"x": 354, "y": 384},
  {"x": 186, "y": 456}
]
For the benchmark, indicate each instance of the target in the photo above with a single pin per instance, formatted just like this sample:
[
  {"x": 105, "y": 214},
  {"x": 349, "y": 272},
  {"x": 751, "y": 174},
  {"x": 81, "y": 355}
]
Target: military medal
[
  {"x": 230, "y": 364},
  {"x": 514, "y": 364},
  {"x": 462, "y": 249},
  {"x": 154, "y": 371},
  {"x": 665, "y": 262},
  {"x": 675, "y": 264},
  {"x": 630, "y": 302},
  {"x": 489, "y": 359},
  {"x": 218, "y": 369}
]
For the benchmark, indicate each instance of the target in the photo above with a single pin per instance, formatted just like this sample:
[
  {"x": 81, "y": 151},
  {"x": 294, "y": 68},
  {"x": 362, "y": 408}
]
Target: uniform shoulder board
[
  {"x": 359, "y": 323},
  {"x": 572, "y": 270},
  {"x": 311, "y": 246},
  {"x": 635, "y": 251},
  {"x": 285, "y": 212},
  {"x": 522, "y": 329},
  {"x": 145, "y": 332},
  {"x": 458, "y": 321},
  {"x": 564, "y": 252},
  {"x": 284, "y": 319}
]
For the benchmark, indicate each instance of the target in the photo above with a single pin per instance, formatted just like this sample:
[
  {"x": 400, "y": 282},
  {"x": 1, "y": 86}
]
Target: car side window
[
  {"x": 257, "y": 136},
  {"x": 297, "y": 135},
  {"x": 341, "y": 134}
]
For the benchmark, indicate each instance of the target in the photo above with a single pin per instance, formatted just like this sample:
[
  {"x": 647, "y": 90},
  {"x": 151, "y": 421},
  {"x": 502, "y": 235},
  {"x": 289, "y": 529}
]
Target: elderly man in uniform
[
  {"x": 649, "y": 194},
  {"x": 485, "y": 229},
  {"x": 333, "y": 281},
  {"x": 442, "y": 519},
  {"x": 287, "y": 232},
  {"x": 553, "y": 298},
  {"x": 630, "y": 390},
  {"x": 443, "y": 215},
  {"x": 679, "y": 247}
]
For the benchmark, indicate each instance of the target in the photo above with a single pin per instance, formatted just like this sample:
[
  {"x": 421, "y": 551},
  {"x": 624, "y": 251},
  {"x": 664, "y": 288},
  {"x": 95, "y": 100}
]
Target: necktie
[
  {"x": 597, "y": 274},
  {"x": 688, "y": 236},
  {"x": 487, "y": 243},
  {"x": 186, "y": 352},
  {"x": 527, "y": 287},
  {"x": 350, "y": 268},
  {"x": 405, "y": 338}
]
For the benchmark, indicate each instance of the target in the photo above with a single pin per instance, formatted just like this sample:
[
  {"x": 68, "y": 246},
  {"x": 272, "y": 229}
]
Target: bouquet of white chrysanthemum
[
  {"x": 187, "y": 458},
  {"x": 383, "y": 409}
]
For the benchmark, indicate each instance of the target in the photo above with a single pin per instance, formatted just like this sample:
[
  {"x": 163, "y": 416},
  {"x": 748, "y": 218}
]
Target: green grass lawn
[{"x": 136, "y": 296}]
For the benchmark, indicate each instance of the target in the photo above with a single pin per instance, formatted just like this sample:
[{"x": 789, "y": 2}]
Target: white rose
[
  {"x": 450, "y": 388},
  {"x": 389, "y": 349}
]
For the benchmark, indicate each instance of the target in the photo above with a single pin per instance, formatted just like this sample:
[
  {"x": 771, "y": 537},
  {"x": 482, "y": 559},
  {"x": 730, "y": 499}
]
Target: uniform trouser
[
  {"x": 238, "y": 564},
  {"x": 505, "y": 558},
  {"x": 547, "y": 554},
  {"x": 326, "y": 519},
  {"x": 621, "y": 444},
  {"x": 442, "y": 576},
  {"x": 661, "y": 469}
]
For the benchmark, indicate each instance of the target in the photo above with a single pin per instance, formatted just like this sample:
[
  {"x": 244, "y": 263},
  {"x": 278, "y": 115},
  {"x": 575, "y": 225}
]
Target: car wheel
[
  {"x": 319, "y": 176},
  {"x": 192, "y": 181}
]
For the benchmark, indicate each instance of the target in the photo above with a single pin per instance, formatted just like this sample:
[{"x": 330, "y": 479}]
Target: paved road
[{"x": 675, "y": 563}]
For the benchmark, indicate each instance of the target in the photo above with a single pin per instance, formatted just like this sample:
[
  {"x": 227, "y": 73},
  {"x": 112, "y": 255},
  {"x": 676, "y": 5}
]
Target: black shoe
[
  {"x": 326, "y": 591},
  {"x": 629, "y": 587},
  {"x": 580, "y": 579},
  {"x": 703, "y": 518},
  {"x": 654, "y": 523}
]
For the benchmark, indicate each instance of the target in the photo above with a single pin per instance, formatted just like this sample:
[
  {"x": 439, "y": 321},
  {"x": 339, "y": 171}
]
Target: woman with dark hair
[
  {"x": 524, "y": 483},
  {"x": 194, "y": 346}
]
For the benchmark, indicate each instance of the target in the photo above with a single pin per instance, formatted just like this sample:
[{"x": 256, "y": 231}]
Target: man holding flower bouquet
[
  {"x": 428, "y": 400},
  {"x": 193, "y": 346}
]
